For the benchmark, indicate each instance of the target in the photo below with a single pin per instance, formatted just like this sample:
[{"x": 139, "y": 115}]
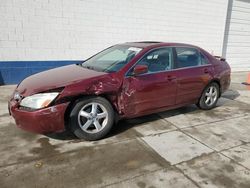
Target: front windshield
[{"x": 111, "y": 59}]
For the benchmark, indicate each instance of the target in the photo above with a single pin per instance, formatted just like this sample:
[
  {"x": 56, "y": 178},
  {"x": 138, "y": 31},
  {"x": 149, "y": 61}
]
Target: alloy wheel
[
  {"x": 211, "y": 95},
  {"x": 92, "y": 117}
]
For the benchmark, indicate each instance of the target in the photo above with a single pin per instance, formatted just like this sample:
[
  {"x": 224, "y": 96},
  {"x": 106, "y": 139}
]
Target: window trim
[
  {"x": 174, "y": 53},
  {"x": 162, "y": 47}
]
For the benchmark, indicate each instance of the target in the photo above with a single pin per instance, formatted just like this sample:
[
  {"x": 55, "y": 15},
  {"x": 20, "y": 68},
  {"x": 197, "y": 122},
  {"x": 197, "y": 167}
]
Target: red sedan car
[{"x": 124, "y": 81}]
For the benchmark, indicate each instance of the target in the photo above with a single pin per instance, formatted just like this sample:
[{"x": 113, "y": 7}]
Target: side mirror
[{"x": 140, "y": 69}]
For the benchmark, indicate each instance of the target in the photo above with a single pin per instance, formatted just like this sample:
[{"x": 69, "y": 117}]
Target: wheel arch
[
  {"x": 75, "y": 99},
  {"x": 217, "y": 81}
]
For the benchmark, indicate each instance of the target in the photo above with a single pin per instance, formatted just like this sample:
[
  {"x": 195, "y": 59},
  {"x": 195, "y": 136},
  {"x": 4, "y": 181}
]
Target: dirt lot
[{"x": 186, "y": 147}]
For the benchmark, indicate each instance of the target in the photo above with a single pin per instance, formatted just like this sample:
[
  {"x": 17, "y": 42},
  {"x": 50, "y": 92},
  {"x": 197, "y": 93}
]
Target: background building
[{"x": 39, "y": 34}]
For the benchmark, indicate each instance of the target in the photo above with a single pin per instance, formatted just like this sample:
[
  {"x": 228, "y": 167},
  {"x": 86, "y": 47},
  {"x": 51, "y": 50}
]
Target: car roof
[{"x": 153, "y": 44}]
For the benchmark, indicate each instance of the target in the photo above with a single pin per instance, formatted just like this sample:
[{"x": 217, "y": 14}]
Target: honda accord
[{"x": 123, "y": 81}]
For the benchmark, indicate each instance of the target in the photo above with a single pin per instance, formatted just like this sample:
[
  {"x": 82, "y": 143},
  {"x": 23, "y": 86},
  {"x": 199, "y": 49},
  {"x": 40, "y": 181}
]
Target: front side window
[
  {"x": 187, "y": 57},
  {"x": 158, "y": 60},
  {"x": 112, "y": 59}
]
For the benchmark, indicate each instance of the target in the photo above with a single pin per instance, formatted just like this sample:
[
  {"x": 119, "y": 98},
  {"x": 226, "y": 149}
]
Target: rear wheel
[
  {"x": 209, "y": 97},
  {"x": 91, "y": 118}
]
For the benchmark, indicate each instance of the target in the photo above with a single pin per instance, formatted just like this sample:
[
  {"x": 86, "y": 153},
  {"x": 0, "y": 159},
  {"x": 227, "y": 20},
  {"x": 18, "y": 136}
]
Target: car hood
[{"x": 55, "y": 78}]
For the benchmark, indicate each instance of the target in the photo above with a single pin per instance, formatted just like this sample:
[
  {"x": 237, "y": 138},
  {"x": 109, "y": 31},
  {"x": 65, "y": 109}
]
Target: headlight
[{"x": 38, "y": 101}]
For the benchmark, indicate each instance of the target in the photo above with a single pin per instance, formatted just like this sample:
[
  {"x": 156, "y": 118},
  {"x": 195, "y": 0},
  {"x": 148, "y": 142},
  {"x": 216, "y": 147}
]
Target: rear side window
[
  {"x": 189, "y": 57},
  {"x": 204, "y": 60}
]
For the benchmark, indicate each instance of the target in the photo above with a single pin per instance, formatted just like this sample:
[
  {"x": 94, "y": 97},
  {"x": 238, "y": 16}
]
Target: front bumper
[{"x": 47, "y": 120}]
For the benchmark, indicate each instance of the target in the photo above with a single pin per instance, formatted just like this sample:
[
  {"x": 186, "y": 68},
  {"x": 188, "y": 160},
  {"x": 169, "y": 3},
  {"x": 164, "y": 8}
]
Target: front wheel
[
  {"x": 92, "y": 118},
  {"x": 209, "y": 97}
]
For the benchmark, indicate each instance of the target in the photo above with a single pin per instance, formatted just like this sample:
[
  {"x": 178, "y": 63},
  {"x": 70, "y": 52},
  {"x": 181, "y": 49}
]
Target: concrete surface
[{"x": 186, "y": 147}]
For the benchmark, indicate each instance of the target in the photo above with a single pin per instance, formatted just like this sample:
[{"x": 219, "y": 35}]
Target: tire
[
  {"x": 91, "y": 118},
  {"x": 209, "y": 97}
]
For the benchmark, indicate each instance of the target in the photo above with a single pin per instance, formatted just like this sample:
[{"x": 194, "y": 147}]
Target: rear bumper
[{"x": 42, "y": 121}]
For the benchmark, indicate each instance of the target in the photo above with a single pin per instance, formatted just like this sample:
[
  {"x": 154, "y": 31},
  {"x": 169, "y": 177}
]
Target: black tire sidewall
[
  {"x": 74, "y": 126},
  {"x": 202, "y": 103}
]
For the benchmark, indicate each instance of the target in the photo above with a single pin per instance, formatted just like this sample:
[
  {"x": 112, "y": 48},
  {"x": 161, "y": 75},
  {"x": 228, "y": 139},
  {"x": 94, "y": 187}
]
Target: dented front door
[{"x": 145, "y": 93}]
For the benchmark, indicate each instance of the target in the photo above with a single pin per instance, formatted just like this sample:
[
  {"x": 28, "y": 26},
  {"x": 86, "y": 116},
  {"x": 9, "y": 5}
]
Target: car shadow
[
  {"x": 124, "y": 125},
  {"x": 231, "y": 94},
  {"x": 66, "y": 135}
]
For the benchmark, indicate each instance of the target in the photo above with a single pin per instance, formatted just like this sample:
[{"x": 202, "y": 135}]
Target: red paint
[
  {"x": 140, "y": 69},
  {"x": 46, "y": 120},
  {"x": 131, "y": 96},
  {"x": 55, "y": 78}
]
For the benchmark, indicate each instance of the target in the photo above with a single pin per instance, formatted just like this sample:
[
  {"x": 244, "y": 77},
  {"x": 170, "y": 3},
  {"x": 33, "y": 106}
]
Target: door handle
[
  {"x": 206, "y": 71},
  {"x": 170, "y": 78}
]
